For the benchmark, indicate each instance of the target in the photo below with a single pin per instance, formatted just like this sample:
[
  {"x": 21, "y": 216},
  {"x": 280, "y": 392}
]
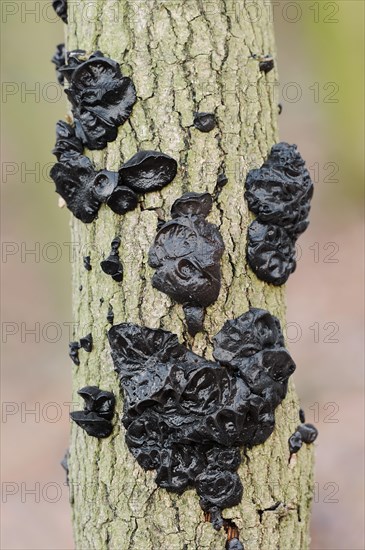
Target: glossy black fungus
[
  {"x": 60, "y": 7},
  {"x": 308, "y": 432},
  {"x": 101, "y": 97},
  {"x": 148, "y": 171},
  {"x": 205, "y": 122},
  {"x": 279, "y": 193},
  {"x": 104, "y": 184},
  {"x": 186, "y": 255},
  {"x": 301, "y": 416},
  {"x": 98, "y": 412},
  {"x": 280, "y": 108},
  {"x": 295, "y": 442},
  {"x": 110, "y": 315},
  {"x": 234, "y": 544},
  {"x": 59, "y": 60},
  {"x": 87, "y": 342},
  {"x": 112, "y": 265},
  {"x": 186, "y": 416},
  {"x": 74, "y": 352},
  {"x": 266, "y": 64},
  {"x": 87, "y": 264},
  {"x": 222, "y": 180},
  {"x": 67, "y": 146},
  {"x": 122, "y": 200},
  {"x": 271, "y": 252}
]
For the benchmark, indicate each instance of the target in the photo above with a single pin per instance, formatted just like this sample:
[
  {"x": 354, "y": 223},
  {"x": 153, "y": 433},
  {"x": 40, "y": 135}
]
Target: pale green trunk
[{"x": 183, "y": 56}]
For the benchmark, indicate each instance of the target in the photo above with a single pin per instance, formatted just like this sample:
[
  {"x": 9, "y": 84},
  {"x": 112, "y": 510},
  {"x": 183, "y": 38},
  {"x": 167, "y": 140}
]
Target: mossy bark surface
[{"x": 183, "y": 56}]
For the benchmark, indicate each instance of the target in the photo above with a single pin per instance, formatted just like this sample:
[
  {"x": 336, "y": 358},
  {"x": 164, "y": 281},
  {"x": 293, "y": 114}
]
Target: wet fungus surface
[
  {"x": 60, "y": 7},
  {"x": 98, "y": 412},
  {"x": 84, "y": 189},
  {"x": 101, "y": 97},
  {"x": 112, "y": 265},
  {"x": 186, "y": 417},
  {"x": 186, "y": 255},
  {"x": 279, "y": 193}
]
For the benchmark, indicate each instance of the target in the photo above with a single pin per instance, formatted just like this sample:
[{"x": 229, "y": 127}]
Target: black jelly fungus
[
  {"x": 295, "y": 442},
  {"x": 74, "y": 352},
  {"x": 280, "y": 108},
  {"x": 279, "y": 193},
  {"x": 222, "y": 180},
  {"x": 148, "y": 171},
  {"x": 59, "y": 60},
  {"x": 308, "y": 432},
  {"x": 104, "y": 184},
  {"x": 186, "y": 417},
  {"x": 266, "y": 64},
  {"x": 60, "y": 7},
  {"x": 186, "y": 255},
  {"x": 87, "y": 264},
  {"x": 98, "y": 412},
  {"x": 110, "y": 315},
  {"x": 122, "y": 200},
  {"x": 112, "y": 265},
  {"x": 301, "y": 416},
  {"x": 101, "y": 97},
  {"x": 67, "y": 146},
  {"x": 80, "y": 288},
  {"x": 205, "y": 122},
  {"x": 87, "y": 342}
]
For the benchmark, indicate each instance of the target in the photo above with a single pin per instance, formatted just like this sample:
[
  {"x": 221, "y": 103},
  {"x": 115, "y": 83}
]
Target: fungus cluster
[
  {"x": 279, "y": 193},
  {"x": 85, "y": 343},
  {"x": 305, "y": 433},
  {"x": 112, "y": 265},
  {"x": 98, "y": 412},
  {"x": 186, "y": 417},
  {"x": 186, "y": 255}
]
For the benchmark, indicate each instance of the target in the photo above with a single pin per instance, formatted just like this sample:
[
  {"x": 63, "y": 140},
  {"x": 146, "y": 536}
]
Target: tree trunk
[{"x": 183, "y": 56}]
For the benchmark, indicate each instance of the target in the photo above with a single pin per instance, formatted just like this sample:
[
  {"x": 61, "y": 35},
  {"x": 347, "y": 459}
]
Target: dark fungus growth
[
  {"x": 84, "y": 189},
  {"x": 205, "y": 122},
  {"x": 266, "y": 64},
  {"x": 59, "y": 60},
  {"x": 86, "y": 342},
  {"x": 87, "y": 264},
  {"x": 74, "y": 352},
  {"x": 280, "y": 108},
  {"x": 186, "y": 417},
  {"x": 110, "y": 315},
  {"x": 186, "y": 255},
  {"x": 279, "y": 193},
  {"x": 98, "y": 411},
  {"x": 101, "y": 97},
  {"x": 305, "y": 433},
  {"x": 234, "y": 544},
  {"x": 112, "y": 265},
  {"x": 64, "y": 463},
  {"x": 60, "y": 7}
]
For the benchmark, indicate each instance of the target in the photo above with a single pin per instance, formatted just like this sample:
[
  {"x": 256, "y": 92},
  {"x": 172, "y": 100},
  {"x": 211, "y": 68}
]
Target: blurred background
[{"x": 320, "y": 59}]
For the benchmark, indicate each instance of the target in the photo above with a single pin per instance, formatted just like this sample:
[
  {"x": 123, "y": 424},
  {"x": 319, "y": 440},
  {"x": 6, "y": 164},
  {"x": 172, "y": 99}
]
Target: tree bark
[{"x": 183, "y": 56}]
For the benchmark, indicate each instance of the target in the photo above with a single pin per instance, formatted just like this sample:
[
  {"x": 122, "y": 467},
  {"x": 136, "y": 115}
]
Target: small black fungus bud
[
  {"x": 148, "y": 171},
  {"x": 87, "y": 264},
  {"x": 101, "y": 97},
  {"x": 295, "y": 442},
  {"x": 98, "y": 412},
  {"x": 205, "y": 122},
  {"x": 280, "y": 108},
  {"x": 308, "y": 432},
  {"x": 60, "y": 7},
  {"x": 222, "y": 180},
  {"x": 186, "y": 416},
  {"x": 186, "y": 255},
  {"x": 234, "y": 544},
  {"x": 80, "y": 288},
  {"x": 266, "y": 64},
  {"x": 110, "y": 315},
  {"x": 87, "y": 342},
  {"x": 112, "y": 265},
  {"x": 301, "y": 416},
  {"x": 74, "y": 352},
  {"x": 59, "y": 60},
  {"x": 279, "y": 193}
]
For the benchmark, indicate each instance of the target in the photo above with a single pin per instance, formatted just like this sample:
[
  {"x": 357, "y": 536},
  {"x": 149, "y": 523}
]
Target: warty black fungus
[
  {"x": 60, "y": 7},
  {"x": 186, "y": 255},
  {"x": 86, "y": 342},
  {"x": 101, "y": 97},
  {"x": 279, "y": 193},
  {"x": 186, "y": 417},
  {"x": 205, "y": 122},
  {"x": 87, "y": 264},
  {"x": 112, "y": 265},
  {"x": 59, "y": 60},
  {"x": 74, "y": 352},
  {"x": 98, "y": 412}
]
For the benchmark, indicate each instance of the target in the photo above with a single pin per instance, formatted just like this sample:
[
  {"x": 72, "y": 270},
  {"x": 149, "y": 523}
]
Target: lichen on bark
[{"x": 183, "y": 56}]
